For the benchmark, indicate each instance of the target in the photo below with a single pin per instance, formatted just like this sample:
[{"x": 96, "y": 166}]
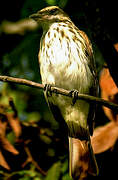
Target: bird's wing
[
  {"x": 57, "y": 115},
  {"x": 94, "y": 88}
]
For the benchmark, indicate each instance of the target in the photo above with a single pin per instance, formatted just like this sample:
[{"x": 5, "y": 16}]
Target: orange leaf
[
  {"x": 3, "y": 162},
  {"x": 3, "y": 126},
  {"x": 104, "y": 137},
  {"x": 15, "y": 124},
  {"x": 5, "y": 144},
  {"x": 106, "y": 83},
  {"x": 109, "y": 91},
  {"x": 116, "y": 46}
]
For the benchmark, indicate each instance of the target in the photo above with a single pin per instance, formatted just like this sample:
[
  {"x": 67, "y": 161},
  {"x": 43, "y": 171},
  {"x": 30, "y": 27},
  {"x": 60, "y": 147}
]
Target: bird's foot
[
  {"x": 47, "y": 89},
  {"x": 74, "y": 95}
]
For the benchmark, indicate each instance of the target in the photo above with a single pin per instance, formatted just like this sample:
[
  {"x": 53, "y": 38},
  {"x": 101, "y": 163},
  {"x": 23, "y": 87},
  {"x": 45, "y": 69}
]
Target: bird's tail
[{"x": 82, "y": 159}]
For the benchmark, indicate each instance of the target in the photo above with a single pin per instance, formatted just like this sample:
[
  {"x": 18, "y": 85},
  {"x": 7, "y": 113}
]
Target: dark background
[{"x": 18, "y": 58}]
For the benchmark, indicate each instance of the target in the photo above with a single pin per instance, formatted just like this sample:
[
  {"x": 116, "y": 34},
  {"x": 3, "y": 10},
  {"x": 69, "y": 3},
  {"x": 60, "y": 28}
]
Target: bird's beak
[{"x": 35, "y": 16}]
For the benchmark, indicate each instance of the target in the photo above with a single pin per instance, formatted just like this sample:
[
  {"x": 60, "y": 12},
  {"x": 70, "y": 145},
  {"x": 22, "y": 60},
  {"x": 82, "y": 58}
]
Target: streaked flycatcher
[{"x": 66, "y": 61}]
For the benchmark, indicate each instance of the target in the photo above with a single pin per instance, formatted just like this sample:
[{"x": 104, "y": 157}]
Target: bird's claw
[
  {"x": 74, "y": 95},
  {"x": 47, "y": 89}
]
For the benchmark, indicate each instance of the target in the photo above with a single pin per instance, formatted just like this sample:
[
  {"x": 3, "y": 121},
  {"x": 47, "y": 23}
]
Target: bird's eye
[{"x": 53, "y": 11}]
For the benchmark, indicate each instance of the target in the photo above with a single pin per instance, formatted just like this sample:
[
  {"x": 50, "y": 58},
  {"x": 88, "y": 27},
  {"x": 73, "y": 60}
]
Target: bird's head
[{"x": 50, "y": 15}]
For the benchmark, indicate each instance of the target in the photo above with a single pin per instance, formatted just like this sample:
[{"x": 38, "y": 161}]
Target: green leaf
[
  {"x": 11, "y": 137},
  {"x": 51, "y": 152},
  {"x": 28, "y": 173},
  {"x": 66, "y": 177},
  {"x": 25, "y": 178},
  {"x": 37, "y": 178},
  {"x": 51, "y": 2},
  {"x": 54, "y": 172},
  {"x": 45, "y": 139},
  {"x": 34, "y": 116},
  {"x": 65, "y": 166}
]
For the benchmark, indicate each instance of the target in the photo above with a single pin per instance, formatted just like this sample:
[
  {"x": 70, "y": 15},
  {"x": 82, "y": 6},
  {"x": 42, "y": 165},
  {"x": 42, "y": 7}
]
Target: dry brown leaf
[
  {"x": 116, "y": 46},
  {"x": 13, "y": 119},
  {"x": 109, "y": 91},
  {"x": 106, "y": 82},
  {"x": 5, "y": 144},
  {"x": 3, "y": 162},
  {"x": 15, "y": 124},
  {"x": 3, "y": 126},
  {"x": 104, "y": 137}
]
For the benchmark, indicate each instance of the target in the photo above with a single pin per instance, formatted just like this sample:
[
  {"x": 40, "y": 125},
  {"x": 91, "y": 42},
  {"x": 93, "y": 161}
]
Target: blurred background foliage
[{"x": 42, "y": 147}]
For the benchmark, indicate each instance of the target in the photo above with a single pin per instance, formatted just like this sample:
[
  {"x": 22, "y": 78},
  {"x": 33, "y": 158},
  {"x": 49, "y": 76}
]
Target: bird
[{"x": 66, "y": 61}]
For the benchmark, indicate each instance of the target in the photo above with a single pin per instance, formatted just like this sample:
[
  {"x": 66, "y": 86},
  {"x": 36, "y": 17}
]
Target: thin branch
[
  {"x": 30, "y": 159},
  {"x": 61, "y": 91},
  {"x": 19, "y": 27}
]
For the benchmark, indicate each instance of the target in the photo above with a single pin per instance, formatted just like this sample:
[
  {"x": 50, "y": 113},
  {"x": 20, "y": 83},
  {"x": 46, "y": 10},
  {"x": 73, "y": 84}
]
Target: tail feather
[{"x": 82, "y": 159}]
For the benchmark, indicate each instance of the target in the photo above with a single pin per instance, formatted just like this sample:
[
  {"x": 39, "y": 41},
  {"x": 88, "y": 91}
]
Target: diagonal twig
[{"x": 61, "y": 91}]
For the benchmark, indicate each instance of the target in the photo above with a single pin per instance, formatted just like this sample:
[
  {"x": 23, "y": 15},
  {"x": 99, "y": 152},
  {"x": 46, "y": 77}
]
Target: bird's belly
[
  {"x": 67, "y": 77},
  {"x": 75, "y": 115}
]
